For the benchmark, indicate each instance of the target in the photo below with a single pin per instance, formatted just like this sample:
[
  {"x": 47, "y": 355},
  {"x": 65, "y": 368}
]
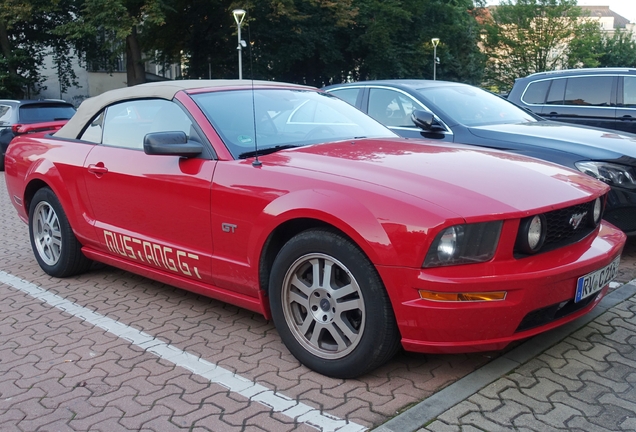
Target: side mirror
[
  {"x": 424, "y": 120},
  {"x": 171, "y": 144}
]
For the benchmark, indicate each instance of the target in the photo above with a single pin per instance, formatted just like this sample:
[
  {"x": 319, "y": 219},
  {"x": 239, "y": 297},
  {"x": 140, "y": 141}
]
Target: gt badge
[{"x": 228, "y": 227}]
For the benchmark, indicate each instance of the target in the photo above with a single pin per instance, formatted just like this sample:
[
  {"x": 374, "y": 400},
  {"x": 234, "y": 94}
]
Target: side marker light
[{"x": 463, "y": 297}]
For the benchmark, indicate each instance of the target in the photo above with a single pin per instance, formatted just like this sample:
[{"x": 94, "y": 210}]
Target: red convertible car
[{"x": 290, "y": 202}]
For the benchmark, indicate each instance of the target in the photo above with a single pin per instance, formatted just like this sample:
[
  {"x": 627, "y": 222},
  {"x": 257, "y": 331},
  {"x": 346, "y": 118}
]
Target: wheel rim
[
  {"x": 323, "y": 306},
  {"x": 47, "y": 234}
]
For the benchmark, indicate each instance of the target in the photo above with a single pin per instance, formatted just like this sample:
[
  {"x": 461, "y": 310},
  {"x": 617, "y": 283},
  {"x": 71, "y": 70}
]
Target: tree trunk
[{"x": 135, "y": 72}]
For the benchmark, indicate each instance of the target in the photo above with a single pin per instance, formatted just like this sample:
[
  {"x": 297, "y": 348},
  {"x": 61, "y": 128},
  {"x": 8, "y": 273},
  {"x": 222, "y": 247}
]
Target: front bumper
[{"x": 539, "y": 296}]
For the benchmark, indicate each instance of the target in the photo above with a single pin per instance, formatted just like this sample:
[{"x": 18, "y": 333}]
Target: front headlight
[
  {"x": 464, "y": 244},
  {"x": 612, "y": 174}
]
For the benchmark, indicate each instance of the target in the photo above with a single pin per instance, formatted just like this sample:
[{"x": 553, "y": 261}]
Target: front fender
[{"x": 341, "y": 211}]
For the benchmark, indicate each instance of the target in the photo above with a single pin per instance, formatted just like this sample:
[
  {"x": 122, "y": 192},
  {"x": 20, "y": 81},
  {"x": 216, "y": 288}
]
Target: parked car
[
  {"x": 604, "y": 97},
  {"x": 469, "y": 115},
  {"x": 14, "y": 113},
  {"x": 289, "y": 202}
]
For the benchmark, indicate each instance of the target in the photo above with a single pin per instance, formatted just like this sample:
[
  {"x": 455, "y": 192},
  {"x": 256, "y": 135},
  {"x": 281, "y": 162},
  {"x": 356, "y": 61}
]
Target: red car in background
[{"x": 290, "y": 202}]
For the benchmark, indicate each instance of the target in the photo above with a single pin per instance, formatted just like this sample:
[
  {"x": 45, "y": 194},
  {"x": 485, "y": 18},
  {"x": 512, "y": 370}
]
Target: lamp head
[
  {"x": 239, "y": 14},
  {"x": 435, "y": 41}
]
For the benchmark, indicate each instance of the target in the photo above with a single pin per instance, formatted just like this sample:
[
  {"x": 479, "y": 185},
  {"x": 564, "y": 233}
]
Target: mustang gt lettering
[
  {"x": 346, "y": 243},
  {"x": 151, "y": 253}
]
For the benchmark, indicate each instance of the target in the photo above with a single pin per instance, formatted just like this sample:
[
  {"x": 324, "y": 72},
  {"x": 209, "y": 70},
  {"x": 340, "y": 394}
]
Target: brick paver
[{"x": 627, "y": 269}]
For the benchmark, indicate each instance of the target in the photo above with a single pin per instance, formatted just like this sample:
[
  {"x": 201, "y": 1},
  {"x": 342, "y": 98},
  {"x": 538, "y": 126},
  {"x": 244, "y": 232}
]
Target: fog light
[
  {"x": 463, "y": 297},
  {"x": 596, "y": 213},
  {"x": 532, "y": 233}
]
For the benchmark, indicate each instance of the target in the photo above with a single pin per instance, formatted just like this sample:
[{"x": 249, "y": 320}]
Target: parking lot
[{"x": 109, "y": 351}]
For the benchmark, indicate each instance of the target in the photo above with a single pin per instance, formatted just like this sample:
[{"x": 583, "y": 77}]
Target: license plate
[{"x": 593, "y": 282}]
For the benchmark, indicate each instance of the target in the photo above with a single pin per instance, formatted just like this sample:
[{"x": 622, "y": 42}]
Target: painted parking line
[{"x": 215, "y": 374}]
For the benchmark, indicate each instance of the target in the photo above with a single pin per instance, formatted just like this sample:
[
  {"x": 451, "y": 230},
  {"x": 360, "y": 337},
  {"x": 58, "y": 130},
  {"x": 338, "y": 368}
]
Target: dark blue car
[
  {"x": 448, "y": 111},
  {"x": 15, "y": 112}
]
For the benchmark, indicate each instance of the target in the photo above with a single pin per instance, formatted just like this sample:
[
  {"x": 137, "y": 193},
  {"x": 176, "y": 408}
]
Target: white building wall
[
  {"x": 88, "y": 83},
  {"x": 100, "y": 82},
  {"x": 52, "y": 86}
]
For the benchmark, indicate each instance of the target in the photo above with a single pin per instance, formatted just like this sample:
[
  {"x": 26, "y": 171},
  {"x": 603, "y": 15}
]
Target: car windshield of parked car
[
  {"x": 283, "y": 118},
  {"x": 472, "y": 106}
]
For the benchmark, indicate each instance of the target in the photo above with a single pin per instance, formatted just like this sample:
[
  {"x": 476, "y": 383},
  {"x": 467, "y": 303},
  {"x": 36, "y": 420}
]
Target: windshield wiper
[{"x": 266, "y": 151}]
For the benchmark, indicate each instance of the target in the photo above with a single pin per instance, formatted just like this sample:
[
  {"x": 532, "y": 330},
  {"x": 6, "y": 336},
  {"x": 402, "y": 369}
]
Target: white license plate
[{"x": 595, "y": 281}]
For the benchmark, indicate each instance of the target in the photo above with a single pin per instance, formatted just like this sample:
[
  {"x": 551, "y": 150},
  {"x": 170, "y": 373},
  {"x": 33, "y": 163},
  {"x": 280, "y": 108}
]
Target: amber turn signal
[{"x": 462, "y": 297}]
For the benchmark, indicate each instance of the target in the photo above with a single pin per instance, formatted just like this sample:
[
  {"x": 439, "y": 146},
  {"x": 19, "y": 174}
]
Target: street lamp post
[
  {"x": 239, "y": 15},
  {"x": 435, "y": 42}
]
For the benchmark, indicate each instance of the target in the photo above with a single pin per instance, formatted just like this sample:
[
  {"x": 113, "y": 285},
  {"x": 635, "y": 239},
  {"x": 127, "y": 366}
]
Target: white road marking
[{"x": 215, "y": 374}]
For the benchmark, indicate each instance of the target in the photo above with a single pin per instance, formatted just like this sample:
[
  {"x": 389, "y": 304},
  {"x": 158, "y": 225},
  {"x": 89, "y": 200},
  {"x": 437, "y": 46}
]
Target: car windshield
[
  {"x": 471, "y": 106},
  {"x": 283, "y": 118}
]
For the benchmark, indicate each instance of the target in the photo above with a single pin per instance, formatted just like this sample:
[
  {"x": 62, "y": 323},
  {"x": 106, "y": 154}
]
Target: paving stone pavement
[
  {"x": 61, "y": 373},
  {"x": 627, "y": 269}
]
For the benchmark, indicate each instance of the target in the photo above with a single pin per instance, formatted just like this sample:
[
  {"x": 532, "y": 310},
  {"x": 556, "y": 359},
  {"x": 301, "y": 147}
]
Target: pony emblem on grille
[{"x": 576, "y": 219}]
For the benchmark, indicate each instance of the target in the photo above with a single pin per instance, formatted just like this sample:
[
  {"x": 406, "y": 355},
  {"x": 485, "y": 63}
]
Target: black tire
[
  {"x": 55, "y": 247},
  {"x": 1, "y": 162},
  {"x": 342, "y": 334}
]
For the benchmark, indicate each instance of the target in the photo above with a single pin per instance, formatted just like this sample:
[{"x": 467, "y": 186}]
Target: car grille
[
  {"x": 546, "y": 315},
  {"x": 560, "y": 230}
]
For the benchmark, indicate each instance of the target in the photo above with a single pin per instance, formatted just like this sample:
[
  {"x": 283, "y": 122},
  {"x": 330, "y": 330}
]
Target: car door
[
  {"x": 626, "y": 110},
  {"x": 584, "y": 100},
  {"x": 150, "y": 209},
  {"x": 393, "y": 108}
]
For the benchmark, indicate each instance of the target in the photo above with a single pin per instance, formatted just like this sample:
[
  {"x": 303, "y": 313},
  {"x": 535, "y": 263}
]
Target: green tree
[
  {"x": 455, "y": 23},
  {"x": 585, "y": 47},
  {"x": 619, "y": 50},
  {"x": 301, "y": 41},
  {"x": 27, "y": 35},
  {"x": 116, "y": 23},
  {"x": 527, "y": 36},
  {"x": 320, "y": 42}
]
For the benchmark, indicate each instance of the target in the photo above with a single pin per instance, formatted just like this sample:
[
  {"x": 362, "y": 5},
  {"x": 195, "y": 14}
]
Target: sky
[{"x": 625, "y": 8}]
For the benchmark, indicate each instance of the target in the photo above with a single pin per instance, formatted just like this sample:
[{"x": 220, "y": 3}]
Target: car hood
[
  {"x": 467, "y": 181},
  {"x": 589, "y": 143}
]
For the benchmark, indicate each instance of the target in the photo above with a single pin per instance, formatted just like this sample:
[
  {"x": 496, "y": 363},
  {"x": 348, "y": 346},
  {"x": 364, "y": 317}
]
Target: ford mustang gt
[{"x": 286, "y": 200}]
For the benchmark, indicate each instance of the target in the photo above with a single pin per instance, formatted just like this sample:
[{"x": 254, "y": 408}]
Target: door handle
[
  {"x": 98, "y": 169},
  {"x": 626, "y": 117}
]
